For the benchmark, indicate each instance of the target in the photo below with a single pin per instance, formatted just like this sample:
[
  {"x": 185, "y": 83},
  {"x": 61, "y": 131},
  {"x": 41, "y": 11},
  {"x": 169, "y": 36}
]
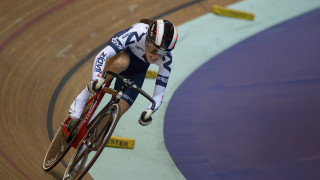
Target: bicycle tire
[
  {"x": 55, "y": 152},
  {"x": 107, "y": 131}
]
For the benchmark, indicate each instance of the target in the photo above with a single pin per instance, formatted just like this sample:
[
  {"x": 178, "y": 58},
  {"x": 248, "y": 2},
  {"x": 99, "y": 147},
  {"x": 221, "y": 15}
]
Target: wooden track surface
[{"x": 41, "y": 41}]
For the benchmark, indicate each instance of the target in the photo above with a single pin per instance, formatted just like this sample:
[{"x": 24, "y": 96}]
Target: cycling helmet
[{"x": 162, "y": 37}]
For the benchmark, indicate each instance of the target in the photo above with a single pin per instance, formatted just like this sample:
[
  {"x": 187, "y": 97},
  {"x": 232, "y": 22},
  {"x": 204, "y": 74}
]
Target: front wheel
[{"x": 93, "y": 143}]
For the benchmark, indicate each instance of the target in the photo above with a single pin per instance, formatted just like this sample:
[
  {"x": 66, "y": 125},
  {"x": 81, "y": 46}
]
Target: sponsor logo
[
  {"x": 140, "y": 48},
  {"x": 117, "y": 143},
  {"x": 167, "y": 65},
  {"x": 124, "y": 96},
  {"x": 116, "y": 42},
  {"x": 130, "y": 36},
  {"x": 126, "y": 35},
  {"x": 91, "y": 109},
  {"x": 100, "y": 61},
  {"x": 162, "y": 79}
]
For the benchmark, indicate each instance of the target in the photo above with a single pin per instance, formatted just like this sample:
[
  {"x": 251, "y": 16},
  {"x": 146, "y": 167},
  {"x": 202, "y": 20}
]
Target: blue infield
[{"x": 252, "y": 112}]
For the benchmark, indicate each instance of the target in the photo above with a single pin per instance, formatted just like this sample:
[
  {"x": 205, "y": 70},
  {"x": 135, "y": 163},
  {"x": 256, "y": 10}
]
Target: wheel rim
[{"x": 56, "y": 151}]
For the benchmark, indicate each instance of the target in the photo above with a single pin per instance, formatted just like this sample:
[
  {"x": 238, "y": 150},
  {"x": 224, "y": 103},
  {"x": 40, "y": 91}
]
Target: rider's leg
[
  {"x": 78, "y": 104},
  {"x": 117, "y": 64},
  {"x": 129, "y": 95},
  {"x": 124, "y": 106}
]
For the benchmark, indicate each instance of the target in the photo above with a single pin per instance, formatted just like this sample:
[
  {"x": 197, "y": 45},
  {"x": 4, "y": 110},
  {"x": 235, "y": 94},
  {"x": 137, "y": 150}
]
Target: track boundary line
[{"x": 14, "y": 165}]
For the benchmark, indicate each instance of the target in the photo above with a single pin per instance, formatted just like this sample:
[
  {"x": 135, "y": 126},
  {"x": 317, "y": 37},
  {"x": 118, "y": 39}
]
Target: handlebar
[{"x": 129, "y": 84}]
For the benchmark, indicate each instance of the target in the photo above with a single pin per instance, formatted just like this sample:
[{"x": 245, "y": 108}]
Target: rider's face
[{"x": 152, "y": 58}]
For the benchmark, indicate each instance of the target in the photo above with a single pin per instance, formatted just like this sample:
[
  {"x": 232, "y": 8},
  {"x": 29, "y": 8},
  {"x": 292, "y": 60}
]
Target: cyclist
[{"x": 129, "y": 53}]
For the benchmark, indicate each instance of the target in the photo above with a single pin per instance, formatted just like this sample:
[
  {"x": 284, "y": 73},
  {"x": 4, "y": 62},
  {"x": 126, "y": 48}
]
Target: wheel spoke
[
  {"x": 80, "y": 156},
  {"x": 99, "y": 138},
  {"x": 84, "y": 159}
]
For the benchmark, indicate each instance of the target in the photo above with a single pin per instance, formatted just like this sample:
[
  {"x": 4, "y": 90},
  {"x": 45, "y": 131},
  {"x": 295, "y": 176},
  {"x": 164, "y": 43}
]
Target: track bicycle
[{"x": 91, "y": 134}]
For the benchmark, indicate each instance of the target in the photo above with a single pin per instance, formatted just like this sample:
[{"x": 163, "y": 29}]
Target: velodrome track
[
  {"x": 40, "y": 45},
  {"x": 46, "y": 54}
]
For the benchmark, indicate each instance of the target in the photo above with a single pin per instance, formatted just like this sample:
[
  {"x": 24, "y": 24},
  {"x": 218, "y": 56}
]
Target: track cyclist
[{"x": 129, "y": 53}]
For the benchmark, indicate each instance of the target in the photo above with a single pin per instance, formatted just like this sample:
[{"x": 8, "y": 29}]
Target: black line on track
[{"x": 83, "y": 61}]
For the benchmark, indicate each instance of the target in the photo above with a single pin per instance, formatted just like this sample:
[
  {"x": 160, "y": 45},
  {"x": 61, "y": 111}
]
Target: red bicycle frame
[{"x": 85, "y": 119}]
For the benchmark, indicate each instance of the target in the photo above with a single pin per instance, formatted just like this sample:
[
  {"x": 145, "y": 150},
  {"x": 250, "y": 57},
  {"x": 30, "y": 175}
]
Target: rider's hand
[
  {"x": 143, "y": 120},
  {"x": 92, "y": 86}
]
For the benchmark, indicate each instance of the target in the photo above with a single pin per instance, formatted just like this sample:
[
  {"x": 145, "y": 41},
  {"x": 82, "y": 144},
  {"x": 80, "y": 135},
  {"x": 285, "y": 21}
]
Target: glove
[
  {"x": 143, "y": 121},
  {"x": 92, "y": 86}
]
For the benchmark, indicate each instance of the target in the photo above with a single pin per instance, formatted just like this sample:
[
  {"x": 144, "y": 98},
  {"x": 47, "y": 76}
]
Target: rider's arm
[
  {"x": 162, "y": 80},
  {"x": 100, "y": 61}
]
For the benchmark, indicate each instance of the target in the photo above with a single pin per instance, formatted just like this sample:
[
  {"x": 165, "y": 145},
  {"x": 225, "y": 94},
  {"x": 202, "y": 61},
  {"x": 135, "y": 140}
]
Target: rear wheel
[
  {"x": 93, "y": 143},
  {"x": 56, "y": 151}
]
